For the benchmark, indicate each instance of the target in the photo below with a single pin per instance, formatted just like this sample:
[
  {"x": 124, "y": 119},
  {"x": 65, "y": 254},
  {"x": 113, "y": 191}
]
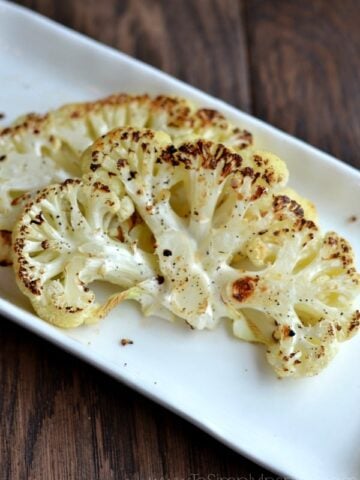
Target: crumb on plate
[{"x": 126, "y": 341}]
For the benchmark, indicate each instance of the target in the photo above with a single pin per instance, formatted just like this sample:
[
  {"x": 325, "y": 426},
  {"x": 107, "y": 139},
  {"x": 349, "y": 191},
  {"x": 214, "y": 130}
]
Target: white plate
[{"x": 307, "y": 429}]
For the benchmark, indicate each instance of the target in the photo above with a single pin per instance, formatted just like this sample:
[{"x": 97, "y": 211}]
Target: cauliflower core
[
  {"x": 217, "y": 238},
  {"x": 69, "y": 236},
  {"x": 52, "y": 144}
]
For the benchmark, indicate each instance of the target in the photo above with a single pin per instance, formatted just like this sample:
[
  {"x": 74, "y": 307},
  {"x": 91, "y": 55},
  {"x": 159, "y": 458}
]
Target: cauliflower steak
[
  {"x": 69, "y": 236},
  {"x": 186, "y": 195}
]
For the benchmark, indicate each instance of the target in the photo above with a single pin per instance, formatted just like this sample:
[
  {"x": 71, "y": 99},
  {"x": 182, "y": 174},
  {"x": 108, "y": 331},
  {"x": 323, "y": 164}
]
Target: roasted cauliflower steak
[{"x": 70, "y": 235}]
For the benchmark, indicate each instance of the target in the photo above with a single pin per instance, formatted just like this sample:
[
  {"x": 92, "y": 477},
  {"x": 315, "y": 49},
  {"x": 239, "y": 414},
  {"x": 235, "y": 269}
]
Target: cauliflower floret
[
  {"x": 53, "y": 143},
  {"x": 309, "y": 208},
  {"x": 217, "y": 185},
  {"x": 69, "y": 236}
]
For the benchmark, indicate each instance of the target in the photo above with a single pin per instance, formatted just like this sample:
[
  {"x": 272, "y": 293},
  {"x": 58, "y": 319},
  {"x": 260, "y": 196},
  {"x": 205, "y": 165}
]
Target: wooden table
[{"x": 293, "y": 63}]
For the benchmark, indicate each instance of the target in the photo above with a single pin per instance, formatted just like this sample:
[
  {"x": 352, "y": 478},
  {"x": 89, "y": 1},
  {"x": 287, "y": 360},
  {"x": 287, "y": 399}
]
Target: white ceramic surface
[{"x": 305, "y": 429}]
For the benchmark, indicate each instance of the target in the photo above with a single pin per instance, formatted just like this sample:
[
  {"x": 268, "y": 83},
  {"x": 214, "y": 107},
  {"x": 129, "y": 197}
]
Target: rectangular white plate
[{"x": 307, "y": 429}]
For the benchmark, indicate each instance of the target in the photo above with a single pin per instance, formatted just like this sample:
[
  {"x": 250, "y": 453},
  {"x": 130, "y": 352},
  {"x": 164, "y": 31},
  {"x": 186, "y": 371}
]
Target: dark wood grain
[
  {"x": 201, "y": 42},
  {"x": 305, "y": 70},
  {"x": 62, "y": 419},
  {"x": 293, "y": 63}
]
